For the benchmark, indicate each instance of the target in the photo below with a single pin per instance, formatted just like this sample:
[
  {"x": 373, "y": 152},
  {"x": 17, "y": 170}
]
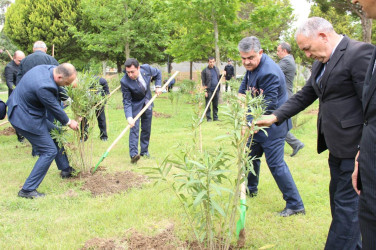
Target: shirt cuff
[{"x": 68, "y": 123}]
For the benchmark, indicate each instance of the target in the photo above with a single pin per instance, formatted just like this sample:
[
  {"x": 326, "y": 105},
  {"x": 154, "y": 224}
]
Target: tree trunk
[
  {"x": 104, "y": 66},
  {"x": 119, "y": 64},
  {"x": 127, "y": 51},
  {"x": 366, "y": 29},
  {"x": 191, "y": 70},
  {"x": 217, "y": 56}
]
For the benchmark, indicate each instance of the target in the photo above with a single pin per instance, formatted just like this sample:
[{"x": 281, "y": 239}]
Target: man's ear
[{"x": 323, "y": 36}]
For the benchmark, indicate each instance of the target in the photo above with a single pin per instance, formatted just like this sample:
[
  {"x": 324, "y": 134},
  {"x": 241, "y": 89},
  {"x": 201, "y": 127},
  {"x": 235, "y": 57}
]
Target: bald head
[
  {"x": 18, "y": 56},
  {"x": 40, "y": 45},
  {"x": 65, "y": 74}
]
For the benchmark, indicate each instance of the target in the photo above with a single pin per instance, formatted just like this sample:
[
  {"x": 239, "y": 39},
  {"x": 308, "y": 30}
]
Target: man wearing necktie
[
  {"x": 135, "y": 86},
  {"x": 338, "y": 85},
  {"x": 364, "y": 176}
]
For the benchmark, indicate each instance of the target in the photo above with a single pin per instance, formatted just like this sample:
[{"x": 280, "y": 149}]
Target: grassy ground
[{"x": 62, "y": 221}]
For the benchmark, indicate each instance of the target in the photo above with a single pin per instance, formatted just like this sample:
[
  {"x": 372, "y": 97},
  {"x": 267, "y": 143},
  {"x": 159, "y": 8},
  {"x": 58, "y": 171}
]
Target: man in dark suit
[
  {"x": 135, "y": 86},
  {"x": 3, "y": 109},
  {"x": 264, "y": 76},
  {"x": 37, "y": 92},
  {"x": 287, "y": 64},
  {"x": 210, "y": 79},
  {"x": 230, "y": 72},
  {"x": 364, "y": 176},
  {"x": 337, "y": 81},
  {"x": 10, "y": 73}
]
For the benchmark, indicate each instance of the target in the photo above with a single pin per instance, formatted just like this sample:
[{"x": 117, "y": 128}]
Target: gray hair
[
  {"x": 39, "y": 45},
  {"x": 313, "y": 25},
  {"x": 66, "y": 70},
  {"x": 248, "y": 44},
  {"x": 285, "y": 46}
]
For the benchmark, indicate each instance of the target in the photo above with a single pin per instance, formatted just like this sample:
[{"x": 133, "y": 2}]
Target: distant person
[
  {"x": 37, "y": 92},
  {"x": 337, "y": 78},
  {"x": 230, "y": 72},
  {"x": 3, "y": 109},
  {"x": 10, "y": 73},
  {"x": 287, "y": 64},
  {"x": 210, "y": 77},
  {"x": 264, "y": 76},
  {"x": 135, "y": 86},
  {"x": 364, "y": 176}
]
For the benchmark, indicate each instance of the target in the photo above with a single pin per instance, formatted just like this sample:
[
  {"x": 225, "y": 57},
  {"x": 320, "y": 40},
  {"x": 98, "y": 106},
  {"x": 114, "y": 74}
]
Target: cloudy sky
[{"x": 301, "y": 9}]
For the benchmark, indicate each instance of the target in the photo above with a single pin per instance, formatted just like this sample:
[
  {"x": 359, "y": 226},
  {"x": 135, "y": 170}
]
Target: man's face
[
  {"x": 316, "y": 47},
  {"x": 280, "y": 52},
  {"x": 211, "y": 63},
  {"x": 251, "y": 59},
  {"x": 133, "y": 72},
  {"x": 17, "y": 59},
  {"x": 368, "y": 6}
]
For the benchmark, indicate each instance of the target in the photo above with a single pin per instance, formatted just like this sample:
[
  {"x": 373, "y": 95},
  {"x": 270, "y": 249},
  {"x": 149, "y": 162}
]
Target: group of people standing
[{"x": 343, "y": 79}]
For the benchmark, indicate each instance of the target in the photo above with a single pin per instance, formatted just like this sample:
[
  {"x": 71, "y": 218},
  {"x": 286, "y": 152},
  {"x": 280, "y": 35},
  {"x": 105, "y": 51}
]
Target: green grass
[{"x": 61, "y": 221}]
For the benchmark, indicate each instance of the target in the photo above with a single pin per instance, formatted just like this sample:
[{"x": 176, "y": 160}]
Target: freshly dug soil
[{"x": 8, "y": 131}]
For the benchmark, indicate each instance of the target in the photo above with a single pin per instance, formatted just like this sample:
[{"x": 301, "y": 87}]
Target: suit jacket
[
  {"x": 269, "y": 78},
  {"x": 340, "y": 117},
  {"x": 367, "y": 156},
  {"x": 134, "y": 97},
  {"x": 3, "y": 110},
  {"x": 206, "y": 77},
  {"x": 35, "y": 93},
  {"x": 288, "y": 67},
  {"x": 10, "y": 74},
  {"x": 35, "y": 59}
]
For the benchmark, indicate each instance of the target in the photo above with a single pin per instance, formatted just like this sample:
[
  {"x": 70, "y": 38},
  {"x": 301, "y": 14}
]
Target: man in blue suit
[
  {"x": 135, "y": 86},
  {"x": 36, "y": 93},
  {"x": 266, "y": 77}
]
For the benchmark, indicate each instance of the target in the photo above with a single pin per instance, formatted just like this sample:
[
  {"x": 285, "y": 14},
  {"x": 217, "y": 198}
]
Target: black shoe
[
  {"x": 104, "y": 139},
  {"x": 67, "y": 173},
  {"x": 21, "y": 139},
  {"x": 209, "y": 120},
  {"x": 252, "y": 194},
  {"x": 146, "y": 155},
  {"x": 216, "y": 120},
  {"x": 30, "y": 194},
  {"x": 296, "y": 150},
  {"x": 134, "y": 159},
  {"x": 288, "y": 212}
]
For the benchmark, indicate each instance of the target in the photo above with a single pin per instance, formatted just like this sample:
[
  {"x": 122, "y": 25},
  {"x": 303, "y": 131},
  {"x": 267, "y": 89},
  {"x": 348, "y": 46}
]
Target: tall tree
[
  {"x": 342, "y": 6},
  {"x": 119, "y": 29},
  {"x": 28, "y": 21}
]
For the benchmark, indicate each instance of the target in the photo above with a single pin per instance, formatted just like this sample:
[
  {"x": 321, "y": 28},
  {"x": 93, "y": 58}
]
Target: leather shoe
[
  {"x": 295, "y": 151},
  {"x": 104, "y": 138},
  {"x": 146, "y": 155},
  {"x": 252, "y": 194},
  {"x": 134, "y": 159},
  {"x": 288, "y": 212},
  {"x": 30, "y": 194},
  {"x": 209, "y": 120},
  {"x": 67, "y": 173}
]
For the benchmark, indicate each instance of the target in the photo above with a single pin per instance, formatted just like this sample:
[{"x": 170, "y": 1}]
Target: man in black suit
[
  {"x": 230, "y": 72},
  {"x": 10, "y": 73},
  {"x": 337, "y": 81},
  {"x": 364, "y": 179},
  {"x": 210, "y": 77}
]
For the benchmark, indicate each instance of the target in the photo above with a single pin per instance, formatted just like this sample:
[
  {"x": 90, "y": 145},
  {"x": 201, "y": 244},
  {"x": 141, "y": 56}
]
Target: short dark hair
[
  {"x": 66, "y": 70},
  {"x": 131, "y": 61},
  {"x": 285, "y": 46},
  {"x": 211, "y": 58}
]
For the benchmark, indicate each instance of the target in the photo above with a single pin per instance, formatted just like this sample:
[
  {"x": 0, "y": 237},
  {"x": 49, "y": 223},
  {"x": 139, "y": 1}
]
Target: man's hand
[
  {"x": 266, "y": 120},
  {"x": 224, "y": 73},
  {"x": 206, "y": 94},
  {"x": 158, "y": 90},
  {"x": 73, "y": 125},
  {"x": 130, "y": 121},
  {"x": 354, "y": 176}
]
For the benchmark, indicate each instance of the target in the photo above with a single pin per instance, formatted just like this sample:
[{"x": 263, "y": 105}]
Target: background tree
[
  {"x": 343, "y": 6},
  {"x": 28, "y": 21}
]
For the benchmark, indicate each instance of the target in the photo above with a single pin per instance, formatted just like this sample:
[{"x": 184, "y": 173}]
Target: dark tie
[
  {"x": 374, "y": 67},
  {"x": 141, "y": 86},
  {"x": 319, "y": 77}
]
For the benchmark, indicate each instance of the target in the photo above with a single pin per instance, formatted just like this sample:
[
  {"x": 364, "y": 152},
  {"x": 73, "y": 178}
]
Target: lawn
[{"x": 69, "y": 216}]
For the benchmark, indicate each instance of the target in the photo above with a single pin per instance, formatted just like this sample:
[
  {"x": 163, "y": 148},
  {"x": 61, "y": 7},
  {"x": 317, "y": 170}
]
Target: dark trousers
[
  {"x": 48, "y": 150},
  {"x": 214, "y": 103},
  {"x": 274, "y": 155},
  {"x": 134, "y": 134},
  {"x": 344, "y": 232},
  {"x": 367, "y": 221},
  {"x": 101, "y": 118},
  {"x": 292, "y": 140},
  {"x": 19, "y": 136}
]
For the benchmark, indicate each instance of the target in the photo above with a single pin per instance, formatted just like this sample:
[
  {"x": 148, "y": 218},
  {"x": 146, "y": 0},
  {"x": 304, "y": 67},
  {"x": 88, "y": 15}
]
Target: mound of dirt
[
  {"x": 8, "y": 131},
  {"x": 157, "y": 114},
  {"x": 104, "y": 183}
]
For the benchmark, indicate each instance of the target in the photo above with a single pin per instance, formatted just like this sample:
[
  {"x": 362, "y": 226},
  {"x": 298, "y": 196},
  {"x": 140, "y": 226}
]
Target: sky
[{"x": 301, "y": 10}]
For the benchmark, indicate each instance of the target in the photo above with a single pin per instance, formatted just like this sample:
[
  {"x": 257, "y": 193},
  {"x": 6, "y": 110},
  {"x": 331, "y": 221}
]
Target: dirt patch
[
  {"x": 157, "y": 114},
  {"x": 132, "y": 240},
  {"x": 105, "y": 183},
  {"x": 8, "y": 131},
  {"x": 313, "y": 112}
]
